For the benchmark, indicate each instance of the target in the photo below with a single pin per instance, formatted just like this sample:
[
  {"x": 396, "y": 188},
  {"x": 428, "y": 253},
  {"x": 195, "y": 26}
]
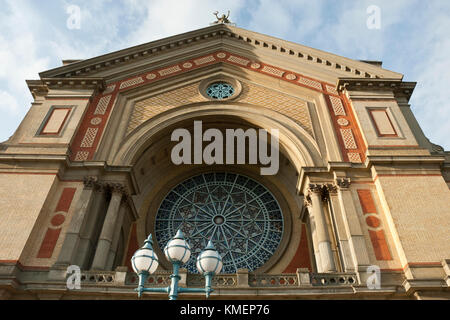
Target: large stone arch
[{"x": 297, "y": 145}]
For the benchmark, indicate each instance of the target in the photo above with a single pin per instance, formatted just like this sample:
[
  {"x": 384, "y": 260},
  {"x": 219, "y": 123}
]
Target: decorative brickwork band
[
  {"x": 376, "y": 232},
  {"x": 93, "y": 124},
  {"x": 52, "y": 235}
]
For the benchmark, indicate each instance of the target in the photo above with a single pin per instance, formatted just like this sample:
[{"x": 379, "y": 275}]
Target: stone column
[
  {"x": 86, "y": 246},
  {"x": 323, "y": 238},
  {"x": 312, "y": 225},
  {"x": 344, "y": 246},
  {"x": 106, "y": 235},
  {"x": 116, "y": 237},
  {"x": 71, "y": 241},
  {"x": 352, "y": 225}
]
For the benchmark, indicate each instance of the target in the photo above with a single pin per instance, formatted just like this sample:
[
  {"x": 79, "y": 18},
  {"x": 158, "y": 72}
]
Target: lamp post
[{"x": 178, "y": 252}]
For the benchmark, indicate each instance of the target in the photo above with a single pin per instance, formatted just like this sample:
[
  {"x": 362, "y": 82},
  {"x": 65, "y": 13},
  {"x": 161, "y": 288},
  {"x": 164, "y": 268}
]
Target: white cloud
[
  {"x": 165, "y": 18},
  {"x": 431, "y": 99},
  {"x": 8, "y": 103},
  {"x": 19, "y": 61}
]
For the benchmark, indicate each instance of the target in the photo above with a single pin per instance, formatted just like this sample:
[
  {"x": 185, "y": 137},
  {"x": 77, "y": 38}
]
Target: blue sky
[{"x": 413, "y": 39}]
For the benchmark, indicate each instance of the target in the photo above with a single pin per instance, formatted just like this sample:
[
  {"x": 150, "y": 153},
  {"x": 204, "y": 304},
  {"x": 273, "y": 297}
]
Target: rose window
[
  {"x": 220, "y": 90},
  {"x": 240, "y": 215}
]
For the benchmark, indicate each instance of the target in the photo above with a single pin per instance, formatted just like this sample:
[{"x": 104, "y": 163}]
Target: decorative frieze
[
  {"x": 331, "y": 89},
  {"x": 81, "y": 156},
  {"x": 310, "y": 83},
  {"x": 238, "y": 60},
  {"x": 102, "y": 105},
  {"x": 337, "y": 104},
  {"x": 169, "y": 71},
  {"x": 273, "y": 71},
  {"x": 204, "y": 60},
  {"x": 354, "y": 157},
  {"x": 131, "y": 82},
  {"x": 349, "y": 139},
  {"x": 89, "y": 138},
  {"x": 338, "y": 107}
]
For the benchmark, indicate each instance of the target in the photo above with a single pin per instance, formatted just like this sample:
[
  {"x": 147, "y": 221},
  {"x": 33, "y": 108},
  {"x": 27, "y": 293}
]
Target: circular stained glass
[
  {"x": 220, "y": 90},
  {"x": 240, "y": 215}
]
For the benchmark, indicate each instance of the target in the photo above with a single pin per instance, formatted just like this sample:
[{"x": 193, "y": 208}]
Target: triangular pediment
[{"x": 255, "y": 47}]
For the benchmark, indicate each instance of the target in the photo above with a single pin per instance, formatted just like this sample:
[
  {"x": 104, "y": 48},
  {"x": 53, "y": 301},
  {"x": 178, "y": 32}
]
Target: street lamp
[{"x": 178, "y": 252}]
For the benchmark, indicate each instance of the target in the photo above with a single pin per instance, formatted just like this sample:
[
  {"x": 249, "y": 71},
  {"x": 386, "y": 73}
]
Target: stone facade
[{"x": 359, "y": 184}]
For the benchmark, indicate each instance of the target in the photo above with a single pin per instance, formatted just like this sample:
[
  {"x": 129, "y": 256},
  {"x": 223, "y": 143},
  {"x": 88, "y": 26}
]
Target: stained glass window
[
  {"x": 220, "y": 90},
  {"x": 240, "y": 215}
]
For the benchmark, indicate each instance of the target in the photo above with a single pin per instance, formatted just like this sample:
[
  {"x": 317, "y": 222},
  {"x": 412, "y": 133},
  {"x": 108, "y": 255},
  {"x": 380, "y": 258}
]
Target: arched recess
[
  {"x": 296, "y": 144},
  {"x": 296, "y": 147}
]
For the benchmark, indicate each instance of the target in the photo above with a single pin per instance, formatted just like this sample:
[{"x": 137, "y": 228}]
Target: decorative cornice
[
  {"x": 397, "y": 86},
  {"x": 37, "y": 88},
  {"x": 41, "y": 87},
  {"x": 314, "y": 57},
  {"x": 73, "y": 82}
]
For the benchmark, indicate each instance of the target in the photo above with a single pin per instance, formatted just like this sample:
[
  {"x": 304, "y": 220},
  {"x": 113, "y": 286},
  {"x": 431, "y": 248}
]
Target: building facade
[{"x": 358, "y": 208}]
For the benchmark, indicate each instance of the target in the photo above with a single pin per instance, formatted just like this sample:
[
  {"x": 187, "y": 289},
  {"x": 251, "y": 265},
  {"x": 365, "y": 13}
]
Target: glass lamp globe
[
  {"x": 177, "y": 249},
  {"x": 145, "y": 260},
  {"x": 209, "y": 260}
]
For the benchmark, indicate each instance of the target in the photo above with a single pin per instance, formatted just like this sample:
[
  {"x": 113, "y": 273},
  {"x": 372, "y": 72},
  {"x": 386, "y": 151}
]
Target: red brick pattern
[
  {"x": 302, "y": 257},
  {"x": 344, "y": 119},
  {"x": 96, "y": 120},
  {"x": 379, "y": 244},
  {"x": 367, "y": 204},
  {"x": 376, "y": 232},
  {"x": 49, "y": 243},
  {"x": 65, "y": 200},
  {"x": 53, "y": 231}
]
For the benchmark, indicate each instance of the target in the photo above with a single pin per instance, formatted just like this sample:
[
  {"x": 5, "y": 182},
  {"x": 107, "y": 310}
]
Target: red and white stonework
[{"x": 359, "y": 184}]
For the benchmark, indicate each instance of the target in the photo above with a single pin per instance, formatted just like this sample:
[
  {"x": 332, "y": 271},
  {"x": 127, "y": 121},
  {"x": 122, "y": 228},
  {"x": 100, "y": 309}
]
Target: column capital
[
  {"x": 315, "y": 188},
  {"x": 321, "y": 190},
  {"x": 90, "y": 182},
  {"x": 117, "y": 187},
  {"x": 343, "y": 183},
  {"x": 307, "y": 200},
  {"x": 331, "y": 188}
]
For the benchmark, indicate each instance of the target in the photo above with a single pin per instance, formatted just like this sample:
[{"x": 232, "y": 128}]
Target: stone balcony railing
[{"x": 242, "y": 279}]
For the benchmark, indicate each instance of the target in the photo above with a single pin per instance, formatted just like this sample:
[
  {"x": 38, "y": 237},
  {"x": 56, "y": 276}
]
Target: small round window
[{"x": 220, "y": 90}]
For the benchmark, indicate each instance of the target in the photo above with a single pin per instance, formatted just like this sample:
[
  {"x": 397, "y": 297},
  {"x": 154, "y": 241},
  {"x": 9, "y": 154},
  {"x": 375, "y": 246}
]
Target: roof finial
[{"x": 223, "y": 19}]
